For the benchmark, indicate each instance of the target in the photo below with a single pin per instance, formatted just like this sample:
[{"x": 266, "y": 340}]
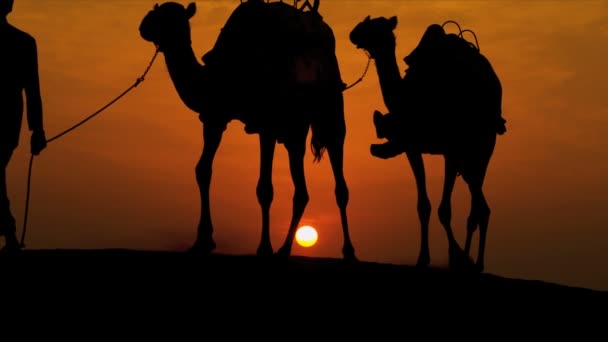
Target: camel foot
[
  {"x": 385, "y": 151},
  {"x": 283, "y": 254},
  {"x": 348, "y": 253},
  {"x": 424, "y": 260},
  {"x": 202, "y": 248},
  {"x": 264, "y": 251},
  {"x": 11, "y": 250},
  {"x": 460, "y": 261},
  {"x": 479, "y": 267}
]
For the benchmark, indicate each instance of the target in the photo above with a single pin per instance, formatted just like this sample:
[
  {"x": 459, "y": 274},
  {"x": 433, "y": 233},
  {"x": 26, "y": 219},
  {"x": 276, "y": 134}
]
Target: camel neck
[
  {"x": 390, "y": 79},
  {"x": 186, "y": 74}
]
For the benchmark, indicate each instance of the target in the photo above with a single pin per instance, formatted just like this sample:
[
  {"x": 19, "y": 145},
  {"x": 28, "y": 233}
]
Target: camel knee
[
  {"x": 445, "y": 214},
  {"x": 479, "y": 216},
  {"x": 300, "y": 199},
  {"x": 472, "y": 221},
  {"x": 342, "y": 195},
  {"x": 265, "y": 193}
]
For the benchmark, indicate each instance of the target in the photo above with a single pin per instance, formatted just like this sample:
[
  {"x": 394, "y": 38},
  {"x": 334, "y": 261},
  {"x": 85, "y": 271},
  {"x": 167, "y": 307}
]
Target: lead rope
[
  {"x": 369, "y": 60},
  {"x": 29, "y": 172}
]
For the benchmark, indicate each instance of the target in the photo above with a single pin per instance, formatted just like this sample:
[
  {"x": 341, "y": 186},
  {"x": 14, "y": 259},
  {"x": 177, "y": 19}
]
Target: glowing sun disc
[{"x": 306, "y": 236}]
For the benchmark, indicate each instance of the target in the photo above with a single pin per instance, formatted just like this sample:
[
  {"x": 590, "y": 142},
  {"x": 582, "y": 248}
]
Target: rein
[
  {"x": 369, "y": 60},
  {"x": 29, "y": 173}
]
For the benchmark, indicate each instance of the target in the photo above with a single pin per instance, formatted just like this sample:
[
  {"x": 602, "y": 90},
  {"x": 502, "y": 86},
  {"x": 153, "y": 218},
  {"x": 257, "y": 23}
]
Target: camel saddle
[{"x": 450, "y": 92}]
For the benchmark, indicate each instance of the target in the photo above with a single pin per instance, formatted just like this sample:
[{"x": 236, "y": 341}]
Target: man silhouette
[{"x": 18, "y": 75}]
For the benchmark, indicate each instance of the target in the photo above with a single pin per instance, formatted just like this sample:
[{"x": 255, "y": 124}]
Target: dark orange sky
[{"x": 126, "y": 178}]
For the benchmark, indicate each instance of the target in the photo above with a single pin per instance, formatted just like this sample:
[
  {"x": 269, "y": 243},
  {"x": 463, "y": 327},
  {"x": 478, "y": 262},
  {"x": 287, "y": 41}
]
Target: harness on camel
[
  {"x": 314, "y": 7},
  {"x": 450, "y": 94}
]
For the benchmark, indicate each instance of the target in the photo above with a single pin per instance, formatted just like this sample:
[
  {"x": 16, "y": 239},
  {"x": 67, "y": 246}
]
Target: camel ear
[
  {"x": 191, "y": 10},
  {"x": 393, "y": 22},
  {"x": 367, "y": 18}
]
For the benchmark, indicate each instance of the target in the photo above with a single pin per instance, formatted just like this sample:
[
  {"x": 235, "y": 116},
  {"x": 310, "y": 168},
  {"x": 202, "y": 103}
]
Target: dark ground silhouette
[
  {"x": 18, "y": 75},
  {"x": 322, "y": 294},
  {"x": 274, "y": 68},
  {"x": 448, "y": 103}
]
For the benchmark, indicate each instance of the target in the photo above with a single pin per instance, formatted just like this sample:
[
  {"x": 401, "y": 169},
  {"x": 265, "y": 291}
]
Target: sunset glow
[{"x": 306, "y": 236}]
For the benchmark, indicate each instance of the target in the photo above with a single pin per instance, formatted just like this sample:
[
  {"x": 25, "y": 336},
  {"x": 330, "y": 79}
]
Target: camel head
[
  {"x": 168, "y": 24},
  {"x": 375, "y": 35}
]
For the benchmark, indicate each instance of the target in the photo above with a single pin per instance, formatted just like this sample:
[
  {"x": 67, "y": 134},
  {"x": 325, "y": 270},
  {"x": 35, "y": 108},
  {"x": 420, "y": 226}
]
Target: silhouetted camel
[
  {"x": 273, "y": 67},
  {"x": 439, "y": 123}
]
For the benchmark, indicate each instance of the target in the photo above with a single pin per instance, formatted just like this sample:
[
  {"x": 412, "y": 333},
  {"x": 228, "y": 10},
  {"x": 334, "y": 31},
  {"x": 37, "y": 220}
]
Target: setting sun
[{"x": 306, "y": 236}]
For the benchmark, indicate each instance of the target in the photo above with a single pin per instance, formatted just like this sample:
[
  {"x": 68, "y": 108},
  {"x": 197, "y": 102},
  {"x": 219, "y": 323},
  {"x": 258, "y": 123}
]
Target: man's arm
[
  {"x": 32, "y": 89},
  {"x": 34, "y": 99}
]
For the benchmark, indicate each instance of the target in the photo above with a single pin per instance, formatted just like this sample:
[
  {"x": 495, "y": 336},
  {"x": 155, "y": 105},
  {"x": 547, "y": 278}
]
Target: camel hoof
[
  {"x": 283, "y": 253},
  {"x": 350, "y": 259},
  {"x": 202, "y": 248},
  {"x": 460, "y": 261},
  {"x": 264, "y": 251},
  {"x": 423, "y": 261},
  {"x": 348, "y": 253}
]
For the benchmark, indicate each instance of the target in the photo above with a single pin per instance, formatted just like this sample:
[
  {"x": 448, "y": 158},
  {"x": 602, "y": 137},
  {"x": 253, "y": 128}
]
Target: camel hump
[
  {"x": 448, "y": 66},
  {"x": 258, "y": 30},
  {"x": 431, "y": 41}
]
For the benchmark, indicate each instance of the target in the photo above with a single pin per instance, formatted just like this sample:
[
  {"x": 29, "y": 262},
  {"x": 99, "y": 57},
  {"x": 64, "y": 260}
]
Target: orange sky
[{"x": 126, "y": 178}]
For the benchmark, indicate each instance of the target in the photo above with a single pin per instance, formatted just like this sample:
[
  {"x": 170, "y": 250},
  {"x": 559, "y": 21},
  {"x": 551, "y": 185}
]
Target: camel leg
[
  {"x": 471, "y": 227},
  {"x": 457, "y": 257},
  {"x": 445, "y": 207},
  {"x": 336, "y": 157},
  {"x": 296, "y": 150},
  {"x": 424, "y": 207},
  {"x": 484, "y": 220},
  {"x": 212, "y": 136},
  {"x": 265, "y": 191},
  {"x": 480, "y": 215}
]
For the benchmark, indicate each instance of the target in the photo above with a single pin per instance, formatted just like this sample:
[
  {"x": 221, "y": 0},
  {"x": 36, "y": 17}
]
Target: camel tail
[
  {"x": 325, "y": 133},
  {"x": 318, "y": 142},
  {"x": 328, "y": 124},
  {"x": 328, "y": 128},
  {"x": 317, "y": 148}
]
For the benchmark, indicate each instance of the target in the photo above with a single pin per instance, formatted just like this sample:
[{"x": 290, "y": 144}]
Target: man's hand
[{"x": 38, "y": 142}]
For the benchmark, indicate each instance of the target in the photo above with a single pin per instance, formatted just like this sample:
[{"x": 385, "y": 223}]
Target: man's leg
[{"x": 7, "y": 221}]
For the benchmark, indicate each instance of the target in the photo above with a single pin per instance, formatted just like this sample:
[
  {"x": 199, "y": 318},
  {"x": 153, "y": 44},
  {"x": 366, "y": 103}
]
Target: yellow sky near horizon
[{"x": 126, "y": 178}]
